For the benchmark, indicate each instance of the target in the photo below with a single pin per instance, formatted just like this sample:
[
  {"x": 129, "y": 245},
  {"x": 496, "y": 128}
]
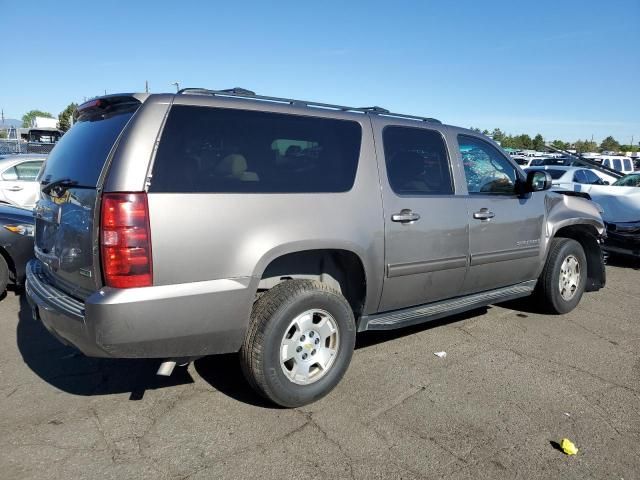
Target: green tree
[
  {"x": 560, "y": 144},
  {"x": 583, "y": 146},
  {"x": 628, "y": 148},
  {"x": 523, "y": 142},
  {"x": 538, "y": 142},
  {"x": 28, "y": 117},
  {"x": 64, "y": 117},
  {"x": 497, "y": 135},
  {"x": 3, "y": 134},
  {"x": 610, "y": 143}
]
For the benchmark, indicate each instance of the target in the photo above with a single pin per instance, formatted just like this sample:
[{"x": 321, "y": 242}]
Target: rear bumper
[{"x": 184, "y": 320}]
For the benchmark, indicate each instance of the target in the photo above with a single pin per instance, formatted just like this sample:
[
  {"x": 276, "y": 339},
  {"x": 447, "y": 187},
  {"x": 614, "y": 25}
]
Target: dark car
[{"x": 16, "y": 244}]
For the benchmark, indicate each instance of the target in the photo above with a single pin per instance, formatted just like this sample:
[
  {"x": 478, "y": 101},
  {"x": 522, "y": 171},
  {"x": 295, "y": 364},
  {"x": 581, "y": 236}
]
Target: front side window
[
  {"x": 592, "y": 178},
  {"x": 215, "y": 150},
  {"x": 628, "y": 166},
  {"x": 578, "y": 177},
  {"x": 486, "y": 169},
  {"x": 417, "y": 161}
]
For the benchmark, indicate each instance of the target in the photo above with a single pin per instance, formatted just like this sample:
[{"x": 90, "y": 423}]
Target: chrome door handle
[
  {"x": 405, "y": 216},
  {"x": 484, "y": 214},
  {"x": 14, "y": 189}
]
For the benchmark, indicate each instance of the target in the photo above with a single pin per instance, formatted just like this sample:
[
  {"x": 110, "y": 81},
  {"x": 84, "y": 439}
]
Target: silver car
[
  {"x": 174, "y": 226},
  {"x": 18, "y": 174}
]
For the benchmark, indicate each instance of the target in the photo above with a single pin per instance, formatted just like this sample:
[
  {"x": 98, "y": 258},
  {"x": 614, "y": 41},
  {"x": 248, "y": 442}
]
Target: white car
[
  {"x": 18, "y": 173},
  {"x": 620, "y": 203},
  {"x": 578, "y": 179}
]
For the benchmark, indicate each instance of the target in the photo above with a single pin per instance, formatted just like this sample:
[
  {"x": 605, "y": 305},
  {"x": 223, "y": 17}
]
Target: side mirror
[
  {"x": 606, "y": 182},
  {"x": 537, "y": 181}
]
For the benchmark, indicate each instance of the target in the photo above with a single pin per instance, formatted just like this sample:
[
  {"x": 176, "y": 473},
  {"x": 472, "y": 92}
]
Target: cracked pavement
[{"x": 513, "y": 382}]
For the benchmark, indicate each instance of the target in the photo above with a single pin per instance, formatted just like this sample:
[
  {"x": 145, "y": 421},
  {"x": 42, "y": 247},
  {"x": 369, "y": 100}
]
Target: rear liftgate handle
[
  {"x": 405, "y": 216},
  {"x": 484, "y": 214}
]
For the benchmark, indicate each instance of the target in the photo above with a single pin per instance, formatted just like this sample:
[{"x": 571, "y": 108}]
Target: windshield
[
  {"x": 82, "y": 151},
  {"x": 629, "y": 181}
]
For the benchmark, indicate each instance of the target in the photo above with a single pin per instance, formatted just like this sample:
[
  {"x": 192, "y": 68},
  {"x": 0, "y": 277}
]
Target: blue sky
[{"x": 567, "y": 69}]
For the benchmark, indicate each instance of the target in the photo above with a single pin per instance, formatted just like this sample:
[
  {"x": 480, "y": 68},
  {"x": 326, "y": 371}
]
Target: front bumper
[
  {"x": 184, "y": 320},
  {"x": 623, "y": 238}
]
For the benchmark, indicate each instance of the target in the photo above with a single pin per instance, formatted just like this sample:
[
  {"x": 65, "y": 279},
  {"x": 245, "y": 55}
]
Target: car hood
[{"x": 620, "y": 204}]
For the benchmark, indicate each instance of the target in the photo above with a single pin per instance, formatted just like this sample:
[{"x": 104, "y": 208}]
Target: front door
[
  {"x": 426, "y": 238},
  {"x": 505, "y": 229}
]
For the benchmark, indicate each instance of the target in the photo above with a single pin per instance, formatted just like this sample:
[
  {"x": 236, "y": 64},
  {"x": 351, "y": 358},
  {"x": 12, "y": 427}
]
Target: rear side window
[
  {"x": 213, "y": 150},
  {"x": 26, "y": 171},
  {"x": 417, "y": 161},
  {"x": 617, "y": 164},
  {"x": 82, "y": 152}
]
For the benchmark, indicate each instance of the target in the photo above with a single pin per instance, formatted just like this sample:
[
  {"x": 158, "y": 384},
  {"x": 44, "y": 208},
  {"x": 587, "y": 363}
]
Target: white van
[{"x": 619, "y": 163}]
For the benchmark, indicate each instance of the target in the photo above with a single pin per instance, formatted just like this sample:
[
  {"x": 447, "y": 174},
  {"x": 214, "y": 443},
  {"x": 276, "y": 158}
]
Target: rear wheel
[
  {"x": 299, "y": 342},
  {"x": 564, "y": 277}
]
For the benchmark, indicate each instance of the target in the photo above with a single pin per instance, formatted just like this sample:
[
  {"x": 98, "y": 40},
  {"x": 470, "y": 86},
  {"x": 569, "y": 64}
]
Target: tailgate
[{"x": 65, "y": 235}]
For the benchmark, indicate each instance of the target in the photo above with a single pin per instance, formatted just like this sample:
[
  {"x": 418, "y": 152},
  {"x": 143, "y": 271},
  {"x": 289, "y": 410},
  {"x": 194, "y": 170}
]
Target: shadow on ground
[
  {"x": 68, "y": 370},
  {"x": 624, "y": 261}
]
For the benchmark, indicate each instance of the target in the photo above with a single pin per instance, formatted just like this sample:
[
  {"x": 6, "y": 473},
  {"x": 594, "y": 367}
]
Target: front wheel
[
  {"x": 299, "y": 343},
  {"x": 564, "y": 277}
]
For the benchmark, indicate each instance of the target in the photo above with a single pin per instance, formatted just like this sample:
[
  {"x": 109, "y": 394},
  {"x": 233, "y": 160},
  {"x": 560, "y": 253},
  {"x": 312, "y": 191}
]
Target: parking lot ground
[{"x": 513, "y": 383}]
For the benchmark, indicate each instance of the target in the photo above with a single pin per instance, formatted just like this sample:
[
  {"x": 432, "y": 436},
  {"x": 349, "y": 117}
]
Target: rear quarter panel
[{"x": 207, "y": 236}]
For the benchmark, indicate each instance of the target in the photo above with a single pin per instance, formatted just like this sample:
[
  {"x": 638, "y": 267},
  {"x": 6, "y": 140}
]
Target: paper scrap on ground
[
  {"x": 568, "y": 447},
  {"x": 440, "y": 354}
]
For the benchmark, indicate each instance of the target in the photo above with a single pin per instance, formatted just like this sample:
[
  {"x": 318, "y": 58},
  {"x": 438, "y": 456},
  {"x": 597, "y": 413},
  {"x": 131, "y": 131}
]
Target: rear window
[
  {"x": 555, "y": 174},
  {"x": 82, "y": 151},
  {"x": 213, "y": 150}
]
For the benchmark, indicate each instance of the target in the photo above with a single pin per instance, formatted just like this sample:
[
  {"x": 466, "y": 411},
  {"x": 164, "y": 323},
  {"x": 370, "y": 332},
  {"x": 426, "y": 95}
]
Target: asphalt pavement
[{"x": 513, "y": 384}]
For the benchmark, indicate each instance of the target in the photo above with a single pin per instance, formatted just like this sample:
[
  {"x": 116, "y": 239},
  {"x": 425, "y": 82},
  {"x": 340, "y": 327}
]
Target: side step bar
[{"x": 434, "y": 311}]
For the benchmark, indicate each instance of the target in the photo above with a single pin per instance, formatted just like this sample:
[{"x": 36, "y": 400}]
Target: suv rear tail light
[{"x": 125, "y": 240}]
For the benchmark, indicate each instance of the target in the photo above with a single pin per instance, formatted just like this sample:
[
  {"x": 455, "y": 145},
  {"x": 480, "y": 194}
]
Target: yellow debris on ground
[{"x": 568, "y": 447}]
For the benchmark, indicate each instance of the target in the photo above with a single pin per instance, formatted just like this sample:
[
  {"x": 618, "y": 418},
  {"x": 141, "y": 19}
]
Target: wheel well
[
  {"x": 341, "y": 269},
  {"x": 587, "y": 236},
  {"x": 10, "y": 264}
]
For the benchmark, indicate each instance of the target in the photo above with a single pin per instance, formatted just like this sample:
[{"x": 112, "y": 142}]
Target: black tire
[
  {"x": 549, "y": 293},
  {"x": 270, "y": 318},
  {"x": 4, "y": 275}
]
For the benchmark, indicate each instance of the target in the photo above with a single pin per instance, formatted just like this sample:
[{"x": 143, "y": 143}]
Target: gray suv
[{"x": 175, "y": 226}]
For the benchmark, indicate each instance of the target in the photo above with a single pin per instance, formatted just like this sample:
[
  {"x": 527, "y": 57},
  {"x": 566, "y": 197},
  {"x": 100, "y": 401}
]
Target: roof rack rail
[{"x": 244, "y": 93}]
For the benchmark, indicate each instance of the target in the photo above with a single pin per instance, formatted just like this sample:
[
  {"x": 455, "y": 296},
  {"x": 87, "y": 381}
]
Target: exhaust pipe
[{"x": 166, "y": 368}]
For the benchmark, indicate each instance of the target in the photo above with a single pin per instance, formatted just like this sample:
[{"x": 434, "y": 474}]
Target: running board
[{"x": 444, "y": 308}]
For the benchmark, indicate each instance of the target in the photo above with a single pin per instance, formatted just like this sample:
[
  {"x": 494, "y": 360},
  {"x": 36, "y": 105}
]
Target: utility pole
[
  {"x": 146, "y": 86},
  {"x": 3, "y": 122}
]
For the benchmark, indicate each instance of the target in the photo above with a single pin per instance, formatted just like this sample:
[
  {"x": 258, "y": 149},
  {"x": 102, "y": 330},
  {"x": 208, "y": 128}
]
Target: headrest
[{"x": 233, "y": 165}]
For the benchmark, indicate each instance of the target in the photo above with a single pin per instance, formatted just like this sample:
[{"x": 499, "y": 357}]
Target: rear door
[
  {"x": 65, "y": 213},
  {"x": 426, "y": 240},
  {"x": 505, "y": 229},
  {"x": 19, "y": 185}
]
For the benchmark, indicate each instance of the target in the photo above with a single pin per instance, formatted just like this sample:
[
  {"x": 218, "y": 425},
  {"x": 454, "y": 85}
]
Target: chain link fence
[{"x": 11, "y": 147}]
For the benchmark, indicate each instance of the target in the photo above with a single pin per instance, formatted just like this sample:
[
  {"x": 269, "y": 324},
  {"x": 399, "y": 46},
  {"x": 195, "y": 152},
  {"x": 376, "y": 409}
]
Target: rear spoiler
[
  {"x": 585, "y": 162},
  {"x": 108, "y": 103}
]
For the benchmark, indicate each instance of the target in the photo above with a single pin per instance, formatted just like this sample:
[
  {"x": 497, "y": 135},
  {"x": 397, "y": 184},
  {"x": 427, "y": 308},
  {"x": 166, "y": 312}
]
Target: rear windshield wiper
[{"x": 62, "y": 184}]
